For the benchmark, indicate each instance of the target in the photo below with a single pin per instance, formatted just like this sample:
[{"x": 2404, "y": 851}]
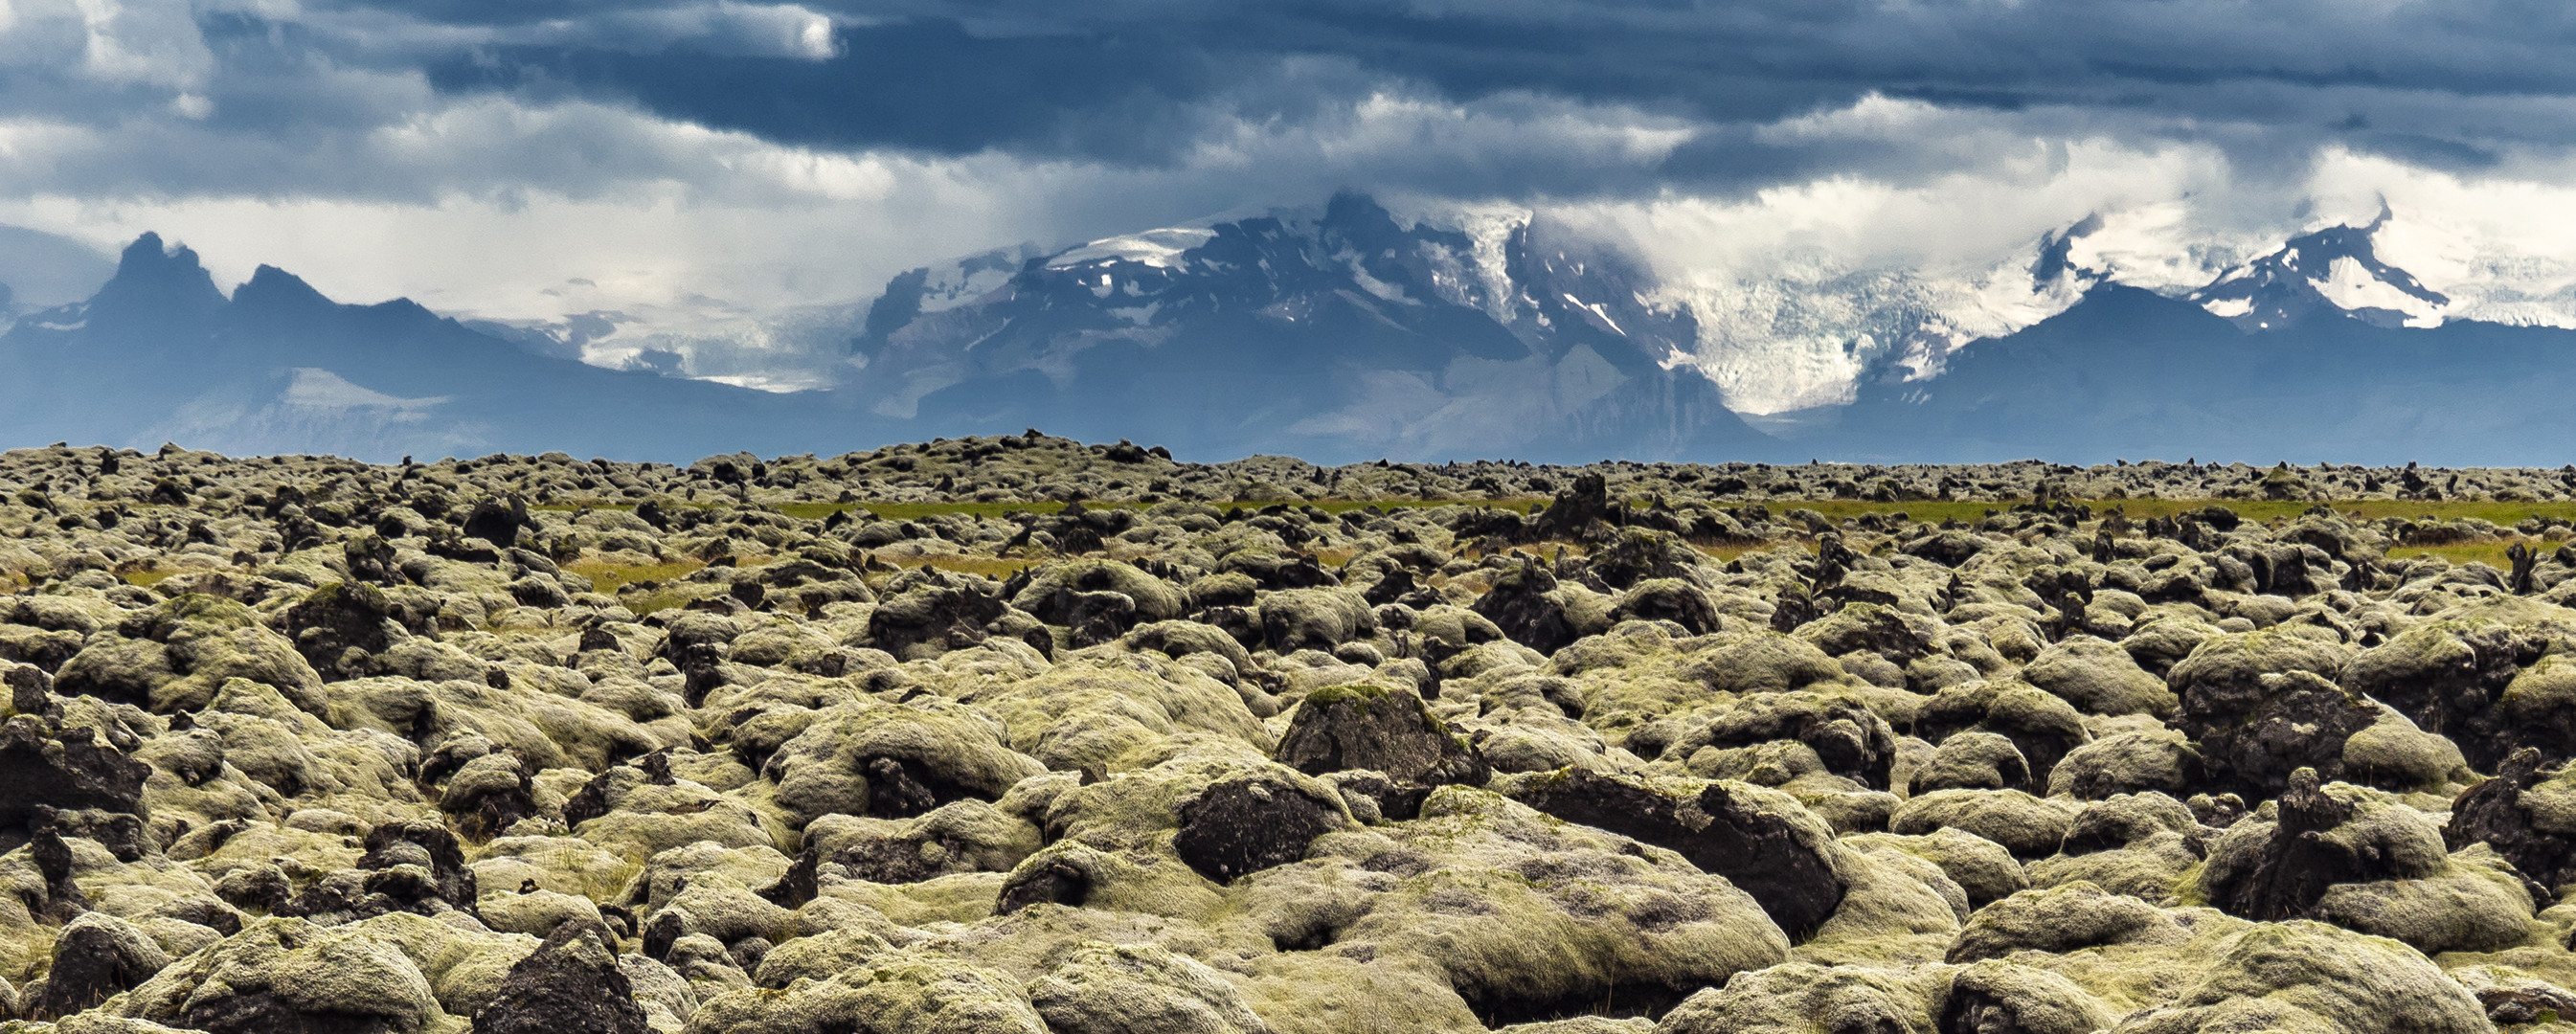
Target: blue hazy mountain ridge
[
  {"x": 2127, "y": 373},
  {"x": 160, "y": 353}
]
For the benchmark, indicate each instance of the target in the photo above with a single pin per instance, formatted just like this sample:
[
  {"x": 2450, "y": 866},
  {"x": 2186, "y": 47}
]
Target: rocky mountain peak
[{"x": 2333, "y": 270}]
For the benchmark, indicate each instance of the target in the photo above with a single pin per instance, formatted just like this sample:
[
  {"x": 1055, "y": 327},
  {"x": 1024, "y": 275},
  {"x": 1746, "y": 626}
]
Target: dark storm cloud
[
  {"x": 1143, "y": 82},
  {"x": 927, "y": 85},
  {"x": 1147, "y": 83}
]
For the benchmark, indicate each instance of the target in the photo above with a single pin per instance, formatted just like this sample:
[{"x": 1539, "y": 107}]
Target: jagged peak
[
  {"x": 157, "y": 282},
  {"x": 271, "y": 286}
]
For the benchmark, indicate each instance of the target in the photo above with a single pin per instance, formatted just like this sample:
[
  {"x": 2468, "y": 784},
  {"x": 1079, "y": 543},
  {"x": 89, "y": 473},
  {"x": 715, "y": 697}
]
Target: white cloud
[{"x": 152, "y": 42}]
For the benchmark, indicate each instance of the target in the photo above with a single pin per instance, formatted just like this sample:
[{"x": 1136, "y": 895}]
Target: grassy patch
[
  {"x": 649, "y": 602},
  {"x": 997, "y": 567},
  {"x": 144, "y": 573},
  {"x": 2491, "y": 554},
  {"x": 1726, "y": 551},
  {"x": 611, "y": 578}
]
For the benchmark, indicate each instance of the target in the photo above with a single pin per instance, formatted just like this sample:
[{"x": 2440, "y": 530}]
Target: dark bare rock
[
  {"x": 31, "y": 689},
  {"x": 1853, "y": 741},
  {"x": 1519, "y": 604},
  {"x": 95, "y": 958},
  {"x": 1056, "y": 882},
  {"x": 371, "y": 559},
  {"x": 1339, "y": 728},
  {"x": 341, "y": 626},
  {"x": 2451, "y": 679},
  {"x": 496, "y": 521},
  {"x": 2254, "y": 731},
  {"x": 1668, "y": 599},
  {"x": 1575, "y": 511},
  {"x": 1947, "y": 548},
  {"x": 121, "y": 833},
  {"x": 1639, "y": 555},
  {"x": 902, "y": 787},
  {"x": 1247, "y": 825},
  {"x": 2496, "y": 813},
  {"x": 2303, "y": 855},
  {"x": 267, "y": 1012},
  {"x": 802, "y": 880},
  {"x": 69, "y": 770},
  {"x": 1759, "y": 852},
  {"x": 591, "y": 801},
  {"x": 428, "y": 845},
  {"x": 1093, "y": 617},
  {"x": 935, "y": 614},
  {"x": 570, "y": 985},
  {"x": 490, "y": 793}
]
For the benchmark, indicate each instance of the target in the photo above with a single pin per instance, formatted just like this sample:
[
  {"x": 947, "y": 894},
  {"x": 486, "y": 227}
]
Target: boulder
[
  {"x": 570, "y": 985},
  {"x": 2099, "y": 677},
  {"x": 1247, "y": 825},
  {"x": 892, "y": 761},
  {"x": 1725, "y": 831},
  {"x": 1139, "y": 989},
  {"x": 96, "y": 957},
  {"x": 2280, "y": 868},
  {"x": 1996, "y": 997},
  {"x": 2028, "y": 826},
  {"x": 1298, "y": 619},
  {"x": 1390, "y": 731},
  {"x": 2527, "y": 814},
  {"x": 2058, "y": 920},
  {"x": 1851, "y": 740},
  {"x": 67, "y": 769},
  {"x": 2301, "y": 975}
]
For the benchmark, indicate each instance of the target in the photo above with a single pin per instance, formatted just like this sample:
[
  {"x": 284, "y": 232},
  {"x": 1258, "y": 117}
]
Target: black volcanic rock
[
  {"x": 2495, "y": 813},
  {"x": 1245, "y": 826},
  {"x": 1760, "y": 853},
  {"x": 66, "y": 769},
  {"x": 570, "y": 985}
]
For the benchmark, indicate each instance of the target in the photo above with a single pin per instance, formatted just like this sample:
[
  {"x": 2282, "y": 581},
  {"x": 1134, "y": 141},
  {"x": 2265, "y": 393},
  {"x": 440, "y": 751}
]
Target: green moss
[
  {"x": 215, "y": 610},
  {"x": 1362, "y": 696}
]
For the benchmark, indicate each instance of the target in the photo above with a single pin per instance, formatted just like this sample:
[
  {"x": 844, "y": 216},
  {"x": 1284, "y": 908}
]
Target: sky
[{"x": 747, "y": 172}]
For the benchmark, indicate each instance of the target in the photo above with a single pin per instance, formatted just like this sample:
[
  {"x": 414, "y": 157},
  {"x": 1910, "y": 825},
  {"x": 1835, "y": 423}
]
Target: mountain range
[{"x": 1337, "y": 335}]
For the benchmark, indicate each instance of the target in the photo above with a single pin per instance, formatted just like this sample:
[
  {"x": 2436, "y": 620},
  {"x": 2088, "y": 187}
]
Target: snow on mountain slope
[
  {"x": 2337, "y": 270},
  {"x": 1344, "y": 326},
  {"x": 1806, "y": 333}
]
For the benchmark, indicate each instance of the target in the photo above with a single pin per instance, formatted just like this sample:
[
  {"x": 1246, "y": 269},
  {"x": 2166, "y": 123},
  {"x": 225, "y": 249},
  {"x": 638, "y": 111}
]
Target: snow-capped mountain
[
  {"x": 1348, "y": 333},
  {"x": 2336, "y": 270},
  {"x": 1342, "y": 332}
]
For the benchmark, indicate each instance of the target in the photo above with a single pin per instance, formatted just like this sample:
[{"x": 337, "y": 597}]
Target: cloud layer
[{"x": 718, "y": 180}]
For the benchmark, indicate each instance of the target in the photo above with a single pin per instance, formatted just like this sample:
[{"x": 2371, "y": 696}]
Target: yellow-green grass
[
  {"x": 145, "y": 578},
  {"x": 2491, "y": 554},
  {"x": 610, "y": 578}
]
